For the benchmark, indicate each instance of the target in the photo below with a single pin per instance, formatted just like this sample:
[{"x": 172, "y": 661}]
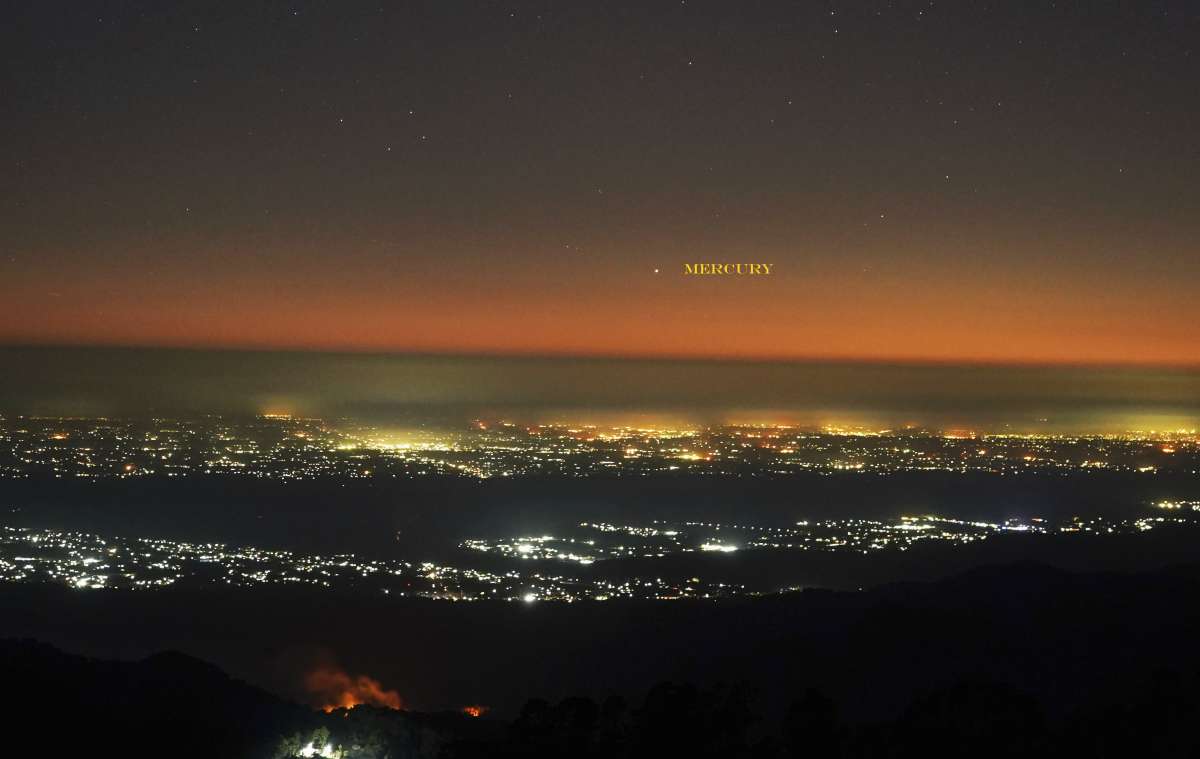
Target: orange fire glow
[
  {"x": 333, "y": 688},
  {"x": 475, "y": 710}
]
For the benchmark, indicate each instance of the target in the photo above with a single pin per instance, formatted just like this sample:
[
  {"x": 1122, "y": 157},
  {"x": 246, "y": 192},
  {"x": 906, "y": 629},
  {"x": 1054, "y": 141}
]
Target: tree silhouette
[
  {"x": 979, "y": 719},
  {"x": 811, "y": 727}
]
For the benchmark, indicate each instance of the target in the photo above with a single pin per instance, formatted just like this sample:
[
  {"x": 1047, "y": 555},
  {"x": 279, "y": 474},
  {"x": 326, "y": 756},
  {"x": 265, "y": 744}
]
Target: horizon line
[{"x": 567, "y": 355}]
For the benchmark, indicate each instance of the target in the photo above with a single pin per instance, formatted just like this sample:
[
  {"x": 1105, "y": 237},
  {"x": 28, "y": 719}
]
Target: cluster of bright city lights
[
  {"x": 88, "y": 561},
  {"x": 286, "y": 448},
  {"x": 529, "y": 568},
  {"x": 599, "y": 541}
]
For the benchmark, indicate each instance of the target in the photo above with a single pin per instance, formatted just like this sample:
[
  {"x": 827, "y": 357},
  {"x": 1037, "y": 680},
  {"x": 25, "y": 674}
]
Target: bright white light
[
  {"x": 529, "y": 598},
  {"x": 718, "y": 547}
]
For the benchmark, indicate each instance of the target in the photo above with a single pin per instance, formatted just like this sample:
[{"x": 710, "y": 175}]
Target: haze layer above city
[{"x": 446, "y": 390}]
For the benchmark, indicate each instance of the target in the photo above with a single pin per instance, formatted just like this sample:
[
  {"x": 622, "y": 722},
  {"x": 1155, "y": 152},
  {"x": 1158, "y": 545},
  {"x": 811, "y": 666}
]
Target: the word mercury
[{"x": 725, "y": 269}]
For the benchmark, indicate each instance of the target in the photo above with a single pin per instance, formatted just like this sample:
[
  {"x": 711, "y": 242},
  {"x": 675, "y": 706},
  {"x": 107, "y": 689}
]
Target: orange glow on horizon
[{"x": 935, "y": 316}]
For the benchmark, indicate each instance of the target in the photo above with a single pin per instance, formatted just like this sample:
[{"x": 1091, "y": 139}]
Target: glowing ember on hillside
[{"x": 475, "y": 711}]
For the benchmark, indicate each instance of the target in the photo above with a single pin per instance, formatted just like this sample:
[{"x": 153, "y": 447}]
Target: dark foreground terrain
[{"x": 1012, "y": 660}]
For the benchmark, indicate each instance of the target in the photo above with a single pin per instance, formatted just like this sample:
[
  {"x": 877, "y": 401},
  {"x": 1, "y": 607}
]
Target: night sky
[{"x": 1000, "y": 181}]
